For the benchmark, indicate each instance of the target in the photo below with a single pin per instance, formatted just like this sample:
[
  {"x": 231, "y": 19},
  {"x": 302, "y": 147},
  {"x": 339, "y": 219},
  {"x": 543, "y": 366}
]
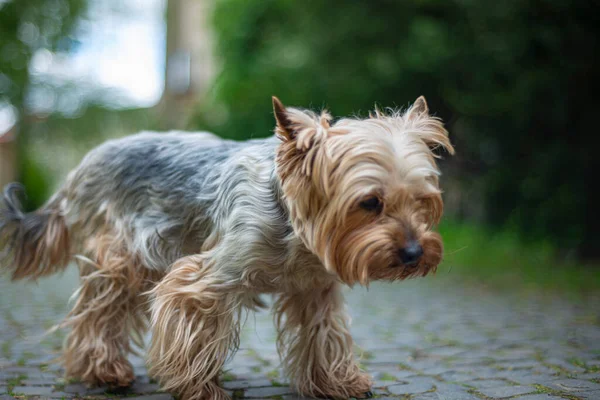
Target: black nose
[{"x": 411, "y": 253}]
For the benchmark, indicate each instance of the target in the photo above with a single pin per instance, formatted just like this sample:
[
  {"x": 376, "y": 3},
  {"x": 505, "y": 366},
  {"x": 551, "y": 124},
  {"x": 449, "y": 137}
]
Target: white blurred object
[
  {"x": 8, "y": 119},
  {"x": 8, "y": 156},
  {"x": 117, "y": 59}
]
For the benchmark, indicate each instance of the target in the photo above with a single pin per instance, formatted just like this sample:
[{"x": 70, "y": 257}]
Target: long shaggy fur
[
  {"x": 109, "y": 310},
  {"x": 194, "y": 315},
  {"x": 315, "y": 344},
  {"x": 180, "y": 232}
]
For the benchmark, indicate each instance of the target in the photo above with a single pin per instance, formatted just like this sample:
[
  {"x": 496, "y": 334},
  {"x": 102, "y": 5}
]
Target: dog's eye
[{"x": 371, "y": 203}]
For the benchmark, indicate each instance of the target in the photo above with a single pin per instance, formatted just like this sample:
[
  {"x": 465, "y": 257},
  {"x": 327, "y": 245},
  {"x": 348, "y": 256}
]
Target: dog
[{"x": 181, "y": 232}]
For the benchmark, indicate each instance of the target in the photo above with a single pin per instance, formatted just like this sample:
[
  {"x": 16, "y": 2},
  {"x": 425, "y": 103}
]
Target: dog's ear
[
  {"x": 418, "y": 110},
  {"x": 284, "y": 128},
  {"x": 304, "y": 128},
  {"x": 431, "y": 129}
]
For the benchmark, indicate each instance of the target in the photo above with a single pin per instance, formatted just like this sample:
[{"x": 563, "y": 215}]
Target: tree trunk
[
  {"x": 8, "y": 158},
  {"x": 190, "y": 66}
]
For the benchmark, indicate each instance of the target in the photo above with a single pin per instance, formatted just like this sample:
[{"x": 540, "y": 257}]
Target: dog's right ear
[
  {"x": 303, "y": 128},
  {"x": 284, "y": 128}
]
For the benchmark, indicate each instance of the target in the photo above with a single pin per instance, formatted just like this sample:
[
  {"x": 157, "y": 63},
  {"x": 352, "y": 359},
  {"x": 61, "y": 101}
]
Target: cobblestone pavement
[{"x": 433, "y": 338}]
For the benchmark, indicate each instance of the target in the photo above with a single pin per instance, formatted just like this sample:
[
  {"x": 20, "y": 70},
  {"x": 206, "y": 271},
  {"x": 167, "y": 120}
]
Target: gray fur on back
[{"x": 167, "y": 192}]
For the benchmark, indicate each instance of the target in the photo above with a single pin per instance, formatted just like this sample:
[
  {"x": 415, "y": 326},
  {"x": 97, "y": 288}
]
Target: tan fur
[
  {"x": 47, "y": 255},
  {"x": 321, "y": 166},
  {"x": 194, "y": 315},
  {"x": 316, "y": 346}
]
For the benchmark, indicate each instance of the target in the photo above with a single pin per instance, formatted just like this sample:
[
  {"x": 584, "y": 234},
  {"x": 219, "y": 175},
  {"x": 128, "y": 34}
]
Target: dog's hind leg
[
  {"x": 194, "y": 328},
  {"x": 108, "y": 311}
]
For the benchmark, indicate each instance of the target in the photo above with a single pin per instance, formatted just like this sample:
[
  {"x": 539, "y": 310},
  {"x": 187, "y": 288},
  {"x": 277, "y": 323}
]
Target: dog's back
[{"x": 150, "y": 192}]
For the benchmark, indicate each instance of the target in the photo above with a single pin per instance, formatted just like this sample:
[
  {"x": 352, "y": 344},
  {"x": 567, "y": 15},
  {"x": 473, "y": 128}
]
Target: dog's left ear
[
  {"x": 431, "y": 129},
  {"x": 418, "y": 110}
]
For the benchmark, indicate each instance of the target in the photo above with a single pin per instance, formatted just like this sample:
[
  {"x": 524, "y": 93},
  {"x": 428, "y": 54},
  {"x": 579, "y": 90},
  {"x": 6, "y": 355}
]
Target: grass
[{"x": 501, "y": 258}]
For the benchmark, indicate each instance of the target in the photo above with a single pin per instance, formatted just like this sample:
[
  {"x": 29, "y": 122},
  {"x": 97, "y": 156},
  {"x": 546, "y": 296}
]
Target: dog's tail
[{"x": 32, "y": 244}]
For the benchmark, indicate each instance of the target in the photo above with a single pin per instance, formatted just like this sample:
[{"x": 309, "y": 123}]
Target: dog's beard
[
  {"x": 359, "y": 255},
  {"x": 391, "y": 268}
]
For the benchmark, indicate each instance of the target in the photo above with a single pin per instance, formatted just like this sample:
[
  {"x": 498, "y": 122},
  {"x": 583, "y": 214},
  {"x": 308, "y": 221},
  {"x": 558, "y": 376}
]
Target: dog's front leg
[
  {"x": 193, "y": 329},
  {"x": 316, "y": 346}
]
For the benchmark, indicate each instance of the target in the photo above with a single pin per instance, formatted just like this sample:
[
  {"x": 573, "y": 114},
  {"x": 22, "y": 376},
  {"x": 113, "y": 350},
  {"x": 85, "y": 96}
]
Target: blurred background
[{"x": 516, "y": 82}]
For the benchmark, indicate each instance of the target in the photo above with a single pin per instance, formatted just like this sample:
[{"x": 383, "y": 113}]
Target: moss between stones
[
  {"x": 540, "y": 389},
  {"x": 387, "y": 377},
  {"x": 6, "y": 351},
  {"x": 273, "y": 374},
  {"x": 16, "y": 381}
]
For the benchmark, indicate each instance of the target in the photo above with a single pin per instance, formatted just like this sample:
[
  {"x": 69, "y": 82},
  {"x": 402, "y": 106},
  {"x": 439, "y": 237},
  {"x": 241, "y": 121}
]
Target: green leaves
[{"x": 512, "y": 78}]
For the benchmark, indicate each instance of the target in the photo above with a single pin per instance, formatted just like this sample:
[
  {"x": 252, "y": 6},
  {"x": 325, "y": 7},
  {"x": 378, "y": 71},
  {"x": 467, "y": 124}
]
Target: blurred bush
[
  {"x": 59, "y": 117},
  {"x": 515, "y": 80},
  {"x": 54, "y": 144},
  {"x": 26, "y": 27}
]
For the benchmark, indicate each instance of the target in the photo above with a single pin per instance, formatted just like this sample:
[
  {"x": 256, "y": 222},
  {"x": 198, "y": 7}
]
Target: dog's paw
[
  {"x": 358, "y": 388},
  {"x": 117, "y": 375}
]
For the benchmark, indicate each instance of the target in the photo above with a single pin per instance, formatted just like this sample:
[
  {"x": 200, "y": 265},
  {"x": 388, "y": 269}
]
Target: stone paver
[
  {"x": 412, "y": 386},
  {"x": 267, "y": 391},
  {"x": 574, "y": 385},
  {"x": 449, "y": 391},
  {"x": 247, "y": 383},
  {"x": 294, "y": 397},
  {"x": 507, "y": 391},
  {"x": 431, "y": 339},
  {"x": 486, "y": 383},
  {"x": 593, "y": 395},
  {"x": 81, "y": 389},
  {"x": 33, "y": 390},
  {"x": 160, "y": 396}
]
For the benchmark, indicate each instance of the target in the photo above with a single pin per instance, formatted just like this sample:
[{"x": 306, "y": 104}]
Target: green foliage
[
  {"x": 37, "y": 180},
  {"x": 25, "y": 27},
  {"x": 501, "y": 258},
  {"x": 514, "y": 79}
]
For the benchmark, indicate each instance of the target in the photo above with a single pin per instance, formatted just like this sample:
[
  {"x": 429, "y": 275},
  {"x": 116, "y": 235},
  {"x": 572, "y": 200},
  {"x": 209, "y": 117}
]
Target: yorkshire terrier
[{"x": 181, "y": 232}]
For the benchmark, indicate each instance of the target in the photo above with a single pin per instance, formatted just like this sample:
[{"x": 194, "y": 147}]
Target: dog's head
[{"x": 363, "y": 195}]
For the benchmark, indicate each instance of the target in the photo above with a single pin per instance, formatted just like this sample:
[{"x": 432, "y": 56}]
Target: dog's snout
[{"x": 411, "y": 253}]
